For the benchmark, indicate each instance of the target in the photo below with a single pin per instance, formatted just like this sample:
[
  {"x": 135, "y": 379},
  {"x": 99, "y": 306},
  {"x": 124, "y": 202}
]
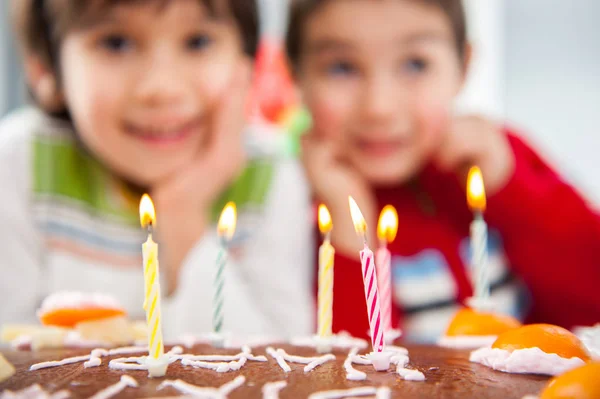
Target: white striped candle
[
  {"x": 479, "y": 252},
  {"x": 226, "y": 230}
]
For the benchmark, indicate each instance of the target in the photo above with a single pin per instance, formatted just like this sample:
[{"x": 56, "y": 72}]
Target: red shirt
[{"x": 545, "y": 232}]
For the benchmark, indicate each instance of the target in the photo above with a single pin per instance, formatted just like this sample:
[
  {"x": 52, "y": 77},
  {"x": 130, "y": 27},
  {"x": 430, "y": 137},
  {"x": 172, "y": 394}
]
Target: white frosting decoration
[
  {"x": 409, "y": 374},
  {"x": 127, "y": 363},
  {"x": 342, "y": 340},
  {"x": 34, "y": 391},
  {"x": 352, "y": 373},
  {"x": 279, "y": 358},
  {"x": 311, "y": 362},
  {"x": 69, "y": 360},
  {"x": 394, "y": 354},
  {"x": 91, "y": 360},
  {"x": 467, "y": 341},
  {"x": 382, "y": 392},
  {"x": 219, "y": 367},
  {"x": 529, "y": 360},
  {"x": 318, "y": 362},
  {"x": 380, "y": 360},
  {"x": 109, "y": 392},
  {"x": 271, "y": 389},
  {"x": 78, "y": 300},
  {"x": 400, "y": 359},
  {"x": 590, "y": 336},
  {"x": 204, "y": 392},
  {"x": 220, "y": 363}
]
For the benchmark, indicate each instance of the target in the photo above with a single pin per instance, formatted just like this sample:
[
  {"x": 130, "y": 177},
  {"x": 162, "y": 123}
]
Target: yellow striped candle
[
  {"x": 325, "y": 295},
  {"x": 152, "y": 289}
]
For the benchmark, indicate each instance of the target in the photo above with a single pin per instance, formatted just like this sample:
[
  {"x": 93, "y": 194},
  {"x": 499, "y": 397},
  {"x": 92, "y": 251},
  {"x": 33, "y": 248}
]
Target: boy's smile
[{"x": 165, "y": 132}]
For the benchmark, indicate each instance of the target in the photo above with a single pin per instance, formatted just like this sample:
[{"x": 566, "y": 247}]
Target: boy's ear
[{"x": 43, "y": 84}]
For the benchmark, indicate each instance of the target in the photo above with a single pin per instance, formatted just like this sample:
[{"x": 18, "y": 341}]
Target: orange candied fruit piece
[
  {"x": 549, "y": 338},
  {"x": 580, "y": 383},
  {"x": 70, "y": 317},
  {"x": 470, "y": 322}
]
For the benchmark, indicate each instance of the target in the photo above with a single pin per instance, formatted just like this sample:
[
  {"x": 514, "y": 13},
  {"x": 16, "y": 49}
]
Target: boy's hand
[
  {"x": 332, "y": 182},
  {"x": 184, "y": 200},
  {"x": 474, "y": 140}
]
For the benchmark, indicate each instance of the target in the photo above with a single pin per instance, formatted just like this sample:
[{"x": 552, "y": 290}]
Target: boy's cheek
[{"x": 328, "y": 119}]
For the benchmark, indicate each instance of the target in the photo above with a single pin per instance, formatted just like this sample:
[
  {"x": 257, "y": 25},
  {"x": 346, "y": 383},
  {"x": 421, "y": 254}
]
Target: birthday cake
[{"x": 279, "y": 370}]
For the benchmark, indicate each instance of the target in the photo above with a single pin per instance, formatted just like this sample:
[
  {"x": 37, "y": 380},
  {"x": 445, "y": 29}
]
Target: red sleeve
[{"x": 552, "y": 239}]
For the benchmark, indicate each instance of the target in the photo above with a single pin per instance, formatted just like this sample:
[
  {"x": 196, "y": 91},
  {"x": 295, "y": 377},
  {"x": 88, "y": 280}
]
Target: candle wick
[
  {"x": 478, "y": 215},
  {"x": 150, "y": 229},
  {"x": 327, "y": 236}
]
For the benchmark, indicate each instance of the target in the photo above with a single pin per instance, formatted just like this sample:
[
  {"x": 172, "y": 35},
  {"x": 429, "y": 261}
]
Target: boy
[
  {"x": 380, "y": 78},
  {"x": 146, "y": 96}
]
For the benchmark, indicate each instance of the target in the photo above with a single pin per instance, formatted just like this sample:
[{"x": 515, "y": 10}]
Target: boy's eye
[
  {"x": 198, "y": 42},
  {"x": 116, "y": 43},
  {"x": 341, "y": 68},
  {"x": 415, "y": 65}
]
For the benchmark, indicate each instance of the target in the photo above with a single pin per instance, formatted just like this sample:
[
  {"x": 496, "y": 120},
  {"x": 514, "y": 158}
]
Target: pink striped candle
[
  {"x": 372, "y": 297},
  {"x": 384, "y": 283},
  {"x": 387, "y": 229},
  {"x": 369, "y": 280}
]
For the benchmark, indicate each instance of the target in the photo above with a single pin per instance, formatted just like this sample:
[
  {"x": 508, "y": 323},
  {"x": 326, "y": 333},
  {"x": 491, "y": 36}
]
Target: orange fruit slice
[
  {"x": 580, "y": 383},
  {"x": 69, "y": 317},
  {"x": 470, "y": 322},
  {"x": 547, "y": 337}
]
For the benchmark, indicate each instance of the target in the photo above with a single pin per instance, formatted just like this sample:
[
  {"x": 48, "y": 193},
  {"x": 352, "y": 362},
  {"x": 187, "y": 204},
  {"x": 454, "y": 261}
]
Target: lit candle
[
  {"x": 369, "y": 279},
  {"x": 479, "y": 253},
  {"x": 386, "y": 232},
  {"x": 325, "y": 296},
  {"x": 156, "y": 362},
  {"x": 225, "y": 229}
]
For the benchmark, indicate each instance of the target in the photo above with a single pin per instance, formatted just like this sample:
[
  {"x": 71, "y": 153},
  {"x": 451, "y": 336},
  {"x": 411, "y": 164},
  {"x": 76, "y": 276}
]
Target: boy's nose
[
  {"x": 160, "y": 82},
  {"x": 380, "y": 99}
]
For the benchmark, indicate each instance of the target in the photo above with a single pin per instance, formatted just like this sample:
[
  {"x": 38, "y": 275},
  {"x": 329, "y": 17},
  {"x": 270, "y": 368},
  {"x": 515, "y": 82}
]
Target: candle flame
[
  {"x": 360, "y": 225},
  {"x": 388, "y": 224},
  {"x": 325, "y": 222},
  {"x": 227, "y": 221},
  {"x": 147, "y": 213},
  {"x": 476, "y": 190}
]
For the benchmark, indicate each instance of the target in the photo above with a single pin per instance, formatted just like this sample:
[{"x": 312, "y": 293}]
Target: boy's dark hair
[
  {"x": 301, "y": 10},
  {"x": 41, "y": 24}
]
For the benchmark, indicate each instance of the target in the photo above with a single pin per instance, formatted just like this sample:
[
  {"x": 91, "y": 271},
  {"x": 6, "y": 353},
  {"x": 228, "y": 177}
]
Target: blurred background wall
[
  {"x": 537, "y": 65},
  {"x": 553, "y": 82}
]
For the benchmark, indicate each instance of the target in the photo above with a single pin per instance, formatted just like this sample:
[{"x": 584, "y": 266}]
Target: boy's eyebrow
[
  {"x": 329, "y": 44},
  {"x": 424, "y": 37},
  {"x": 112, "y": 16}
]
